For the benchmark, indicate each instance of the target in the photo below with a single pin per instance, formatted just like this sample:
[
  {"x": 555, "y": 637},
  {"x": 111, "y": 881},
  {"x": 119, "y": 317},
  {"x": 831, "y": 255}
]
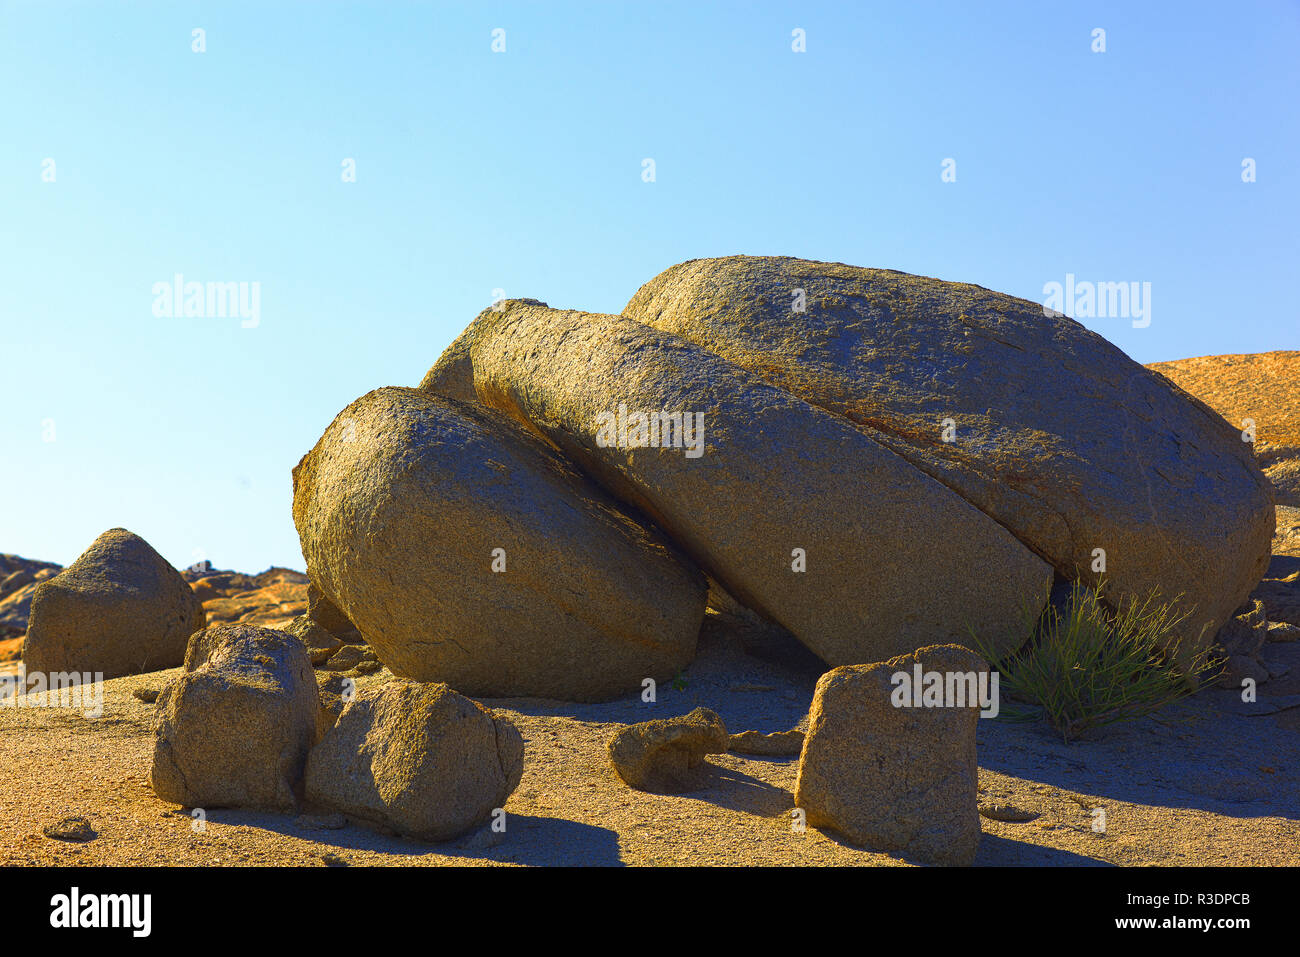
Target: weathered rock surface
[
  {"x": 419, "y": 759},
  {"x": 665, "y": 754},
  {"x": 1059, "y": 436},
  {"x": 119, "y": 609},
  {"x": 409, "y": 501},
  {"x": 235, "y": 728},
  {"x": 780, "y": 485},
  {"x": 901, "y": 779}
]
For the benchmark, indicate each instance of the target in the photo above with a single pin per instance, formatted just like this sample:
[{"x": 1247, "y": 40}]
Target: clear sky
[{"x": 522, "y": 171}]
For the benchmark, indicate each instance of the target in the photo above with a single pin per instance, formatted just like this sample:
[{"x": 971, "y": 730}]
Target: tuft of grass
[{"x": 1094, "y": 665}]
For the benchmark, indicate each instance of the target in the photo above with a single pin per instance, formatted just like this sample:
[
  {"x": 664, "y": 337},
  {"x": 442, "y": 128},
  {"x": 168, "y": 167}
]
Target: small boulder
[
  {"x": 235, "y": 728},
  {"x": 1247, "y": 631},
  {"x": 896, "y": 778},
  {"x": 416, "y": 758},
  {"x": 665, "y": 755},
  {"x": 119, "y": 609},
  {"x": 345, "y": 659},
  {"x": 320, "y": 643}
]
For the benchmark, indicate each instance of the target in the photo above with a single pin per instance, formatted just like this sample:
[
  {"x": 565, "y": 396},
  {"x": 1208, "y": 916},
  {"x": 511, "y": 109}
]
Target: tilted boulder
[
  {"x": 235, "y": 728},
  {"x": 797, "y": 513},
  {"x": 666, "y": 754},
  {"x": 453, "y": 374},
  {"x": 468, "y": 551},
  {"x": 1058, "y": 435},
  {"x": 896, "y": 778},
  {"x": 419, "y": 759},
  {"x": 119, "y": 609}
]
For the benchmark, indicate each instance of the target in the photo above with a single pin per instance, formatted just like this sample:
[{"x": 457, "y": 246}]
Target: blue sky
[{"x": 522, "y": 171}]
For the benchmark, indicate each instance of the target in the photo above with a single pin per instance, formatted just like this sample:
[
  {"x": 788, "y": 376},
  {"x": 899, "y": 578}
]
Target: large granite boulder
[
  {"x": 797, "y": 513},
  {"x": 890, "y": 774},
  {"x": 119, "y": 609},
  {"x": 468, "y": 551},
  {"x": 419, "y": 759},
  {"x": 1057, "y": 434},
  {"x": 235, "y": 728}
]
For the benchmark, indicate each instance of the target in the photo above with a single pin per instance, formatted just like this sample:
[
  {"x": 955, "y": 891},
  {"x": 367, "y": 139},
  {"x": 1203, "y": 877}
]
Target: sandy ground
[{"x": 1196, "y": 784}]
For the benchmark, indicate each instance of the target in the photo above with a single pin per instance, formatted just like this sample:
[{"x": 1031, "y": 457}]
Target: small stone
[
  {"x": 664, "y": 755},
  {"x": 345, "y": 659},
  {"x": 75, "y": 828}
]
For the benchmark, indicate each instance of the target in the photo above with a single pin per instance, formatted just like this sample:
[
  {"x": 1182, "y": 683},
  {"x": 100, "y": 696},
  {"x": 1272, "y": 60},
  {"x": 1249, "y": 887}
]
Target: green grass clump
[{"x": 1094, "y": 665}]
